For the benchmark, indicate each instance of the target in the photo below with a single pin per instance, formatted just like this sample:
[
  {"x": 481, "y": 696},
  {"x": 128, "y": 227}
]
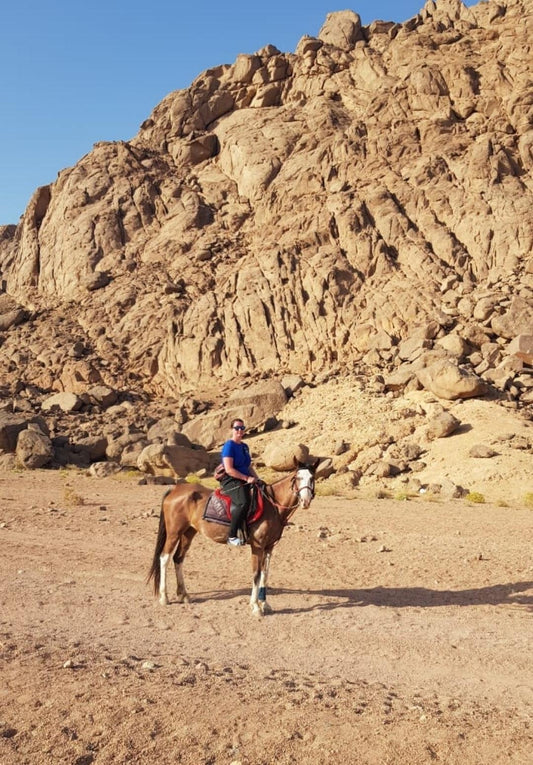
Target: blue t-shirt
[{"x": 240, "y": 454}]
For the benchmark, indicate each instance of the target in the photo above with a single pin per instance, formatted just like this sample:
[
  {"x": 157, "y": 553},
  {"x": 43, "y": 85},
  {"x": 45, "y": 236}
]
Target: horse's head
[{"x": 304, "y": 482}]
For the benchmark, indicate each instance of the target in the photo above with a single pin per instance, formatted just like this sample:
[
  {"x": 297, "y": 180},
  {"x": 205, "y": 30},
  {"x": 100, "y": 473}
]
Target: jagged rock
[
  {"x": 100, "y": 395},
  {"x": 11, "y": 426},
  {"x": 481, "y": 451},
  {"x": 103, "y": 469},
  {"x": 129, "y": 457},
  {"x": 400, "y": 377},
  {"x": 413, "y": 347},
  {"x": 405, "y": 451},
  {"x": 292, "y": 384},
  {"x": 12, "y": 318},
  {"x": 255, "y": 405},
  {"x": 447, "y": 488},
  {"x": 517, "y": 320},
  {"x": 454, "y": 344},
  {"x": 342, "y": 29},
  {"x": 450, "y": 381},
  {"x": 94, "y": 446},
  {"x": 168, "y": 430},
  {"x": 522, "y": 347},
  {"x": 7, "y": 461},
  {"x": 383, "y": 469},
  {"x": 124, "y": 442},
  {"x": 324, "y": 468},
  {"x": 34, "y": 449},
  {"x": 442, "y": 426}
]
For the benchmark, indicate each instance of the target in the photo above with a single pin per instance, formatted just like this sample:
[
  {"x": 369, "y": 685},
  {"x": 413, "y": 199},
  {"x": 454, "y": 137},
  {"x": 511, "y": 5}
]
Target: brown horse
[{"x": 182, "y": 517}]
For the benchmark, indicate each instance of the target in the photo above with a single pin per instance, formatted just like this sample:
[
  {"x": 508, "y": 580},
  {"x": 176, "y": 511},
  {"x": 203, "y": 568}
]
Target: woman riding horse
[{"x": 182, "y": 516}]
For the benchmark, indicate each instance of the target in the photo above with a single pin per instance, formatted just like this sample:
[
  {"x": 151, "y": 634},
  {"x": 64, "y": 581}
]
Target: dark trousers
[{"x": 240, "y": 500}]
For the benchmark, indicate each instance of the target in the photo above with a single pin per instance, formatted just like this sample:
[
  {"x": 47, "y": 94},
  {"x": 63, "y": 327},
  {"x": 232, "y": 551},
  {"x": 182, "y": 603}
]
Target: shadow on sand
[{"x": 513, "y": 594}]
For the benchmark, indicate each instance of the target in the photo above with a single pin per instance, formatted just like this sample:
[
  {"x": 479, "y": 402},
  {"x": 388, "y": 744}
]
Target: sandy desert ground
[{"x": 401, "y": 633}]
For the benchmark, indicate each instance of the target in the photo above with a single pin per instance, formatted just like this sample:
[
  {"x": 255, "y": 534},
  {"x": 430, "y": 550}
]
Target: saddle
[{"x": 218, "y": 508}]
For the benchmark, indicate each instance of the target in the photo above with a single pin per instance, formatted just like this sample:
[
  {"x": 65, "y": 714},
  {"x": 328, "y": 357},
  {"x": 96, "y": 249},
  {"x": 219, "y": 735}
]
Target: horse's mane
[{"x": 283, "y": 478}]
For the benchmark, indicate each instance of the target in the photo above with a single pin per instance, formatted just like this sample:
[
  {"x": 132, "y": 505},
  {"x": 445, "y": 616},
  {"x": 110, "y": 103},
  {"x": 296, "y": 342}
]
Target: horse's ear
[{"x": 314, "y": 464}]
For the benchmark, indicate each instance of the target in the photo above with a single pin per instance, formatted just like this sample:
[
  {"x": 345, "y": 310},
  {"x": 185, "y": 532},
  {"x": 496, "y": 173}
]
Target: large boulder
[
  {"x": 522, "y": 347},
  {"x": 518, "y": 320},
  {"x": 12, "y": 424},
  {"x": 442, "y": 425},
  {"x": 67, "y": 402},
  {"x": 255, "y": 405},
  {"x": 172, "y": 460},
  {"x": 281, "y": 457},
  {"x": 450, "y": 381},
  {"x": 342, "y": 29},
  {"x": 34, "y": 449}
]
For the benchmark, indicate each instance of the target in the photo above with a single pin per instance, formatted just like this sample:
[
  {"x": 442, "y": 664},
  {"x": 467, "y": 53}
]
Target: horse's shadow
[{"x": 390, "y": 597}]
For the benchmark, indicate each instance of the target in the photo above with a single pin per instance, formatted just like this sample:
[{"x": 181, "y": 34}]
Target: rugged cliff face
[{"x": 292, "y": 213}]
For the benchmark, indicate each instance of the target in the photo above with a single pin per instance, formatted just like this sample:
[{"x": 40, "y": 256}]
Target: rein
[{"x": 277, "y": 505}]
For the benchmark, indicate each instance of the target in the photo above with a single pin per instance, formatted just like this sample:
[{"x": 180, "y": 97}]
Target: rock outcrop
[{"x": 361, "y": 206}]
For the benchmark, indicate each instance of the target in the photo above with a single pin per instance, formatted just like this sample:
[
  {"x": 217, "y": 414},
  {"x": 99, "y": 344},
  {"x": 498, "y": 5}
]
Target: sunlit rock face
[{"x": 293, "y": 213}]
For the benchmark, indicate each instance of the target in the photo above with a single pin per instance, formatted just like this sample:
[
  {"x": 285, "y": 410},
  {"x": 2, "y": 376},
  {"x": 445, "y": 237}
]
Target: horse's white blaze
[{"x": 305, "y": 487}]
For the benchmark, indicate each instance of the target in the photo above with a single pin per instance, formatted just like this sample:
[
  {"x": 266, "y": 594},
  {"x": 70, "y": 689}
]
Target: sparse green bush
[
  {"x": 325, "y": 489},
  {"x": 72, "y": 498},
  {"x": 475, "y": 496},
  {"x": 528, "y": 500},
  {"x": 402, "y": 496}
]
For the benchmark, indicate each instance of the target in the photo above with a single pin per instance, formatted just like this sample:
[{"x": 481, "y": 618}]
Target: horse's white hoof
[
  {"x": 183, "y": 598},
  {"x": 256, "y": 611},
  {"x": 163, "y": 600}
]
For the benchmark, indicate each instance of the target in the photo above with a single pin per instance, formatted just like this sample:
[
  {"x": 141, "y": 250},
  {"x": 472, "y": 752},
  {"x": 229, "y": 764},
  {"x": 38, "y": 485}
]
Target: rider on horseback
[{"x": 239, "y": 478}]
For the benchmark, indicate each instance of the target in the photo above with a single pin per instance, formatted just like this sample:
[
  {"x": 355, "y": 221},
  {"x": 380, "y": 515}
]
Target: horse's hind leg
[
  {"x": 170, "y": 547},
  {"x": 179, "y": 556}
]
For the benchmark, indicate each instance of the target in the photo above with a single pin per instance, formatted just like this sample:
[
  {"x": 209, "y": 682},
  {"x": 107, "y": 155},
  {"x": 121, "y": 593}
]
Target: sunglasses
[{"x": 239, "y": 427}]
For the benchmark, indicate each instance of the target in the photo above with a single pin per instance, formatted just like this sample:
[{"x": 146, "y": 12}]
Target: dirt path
[{"x": 401, "y": 633}]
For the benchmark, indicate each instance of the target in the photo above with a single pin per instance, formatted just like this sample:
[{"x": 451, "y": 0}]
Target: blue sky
[{"x": 74, "y": 73}]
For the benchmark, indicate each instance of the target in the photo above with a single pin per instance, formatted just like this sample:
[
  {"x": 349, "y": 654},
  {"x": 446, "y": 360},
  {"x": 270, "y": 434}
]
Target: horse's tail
[{"x": 155, "y": 571}]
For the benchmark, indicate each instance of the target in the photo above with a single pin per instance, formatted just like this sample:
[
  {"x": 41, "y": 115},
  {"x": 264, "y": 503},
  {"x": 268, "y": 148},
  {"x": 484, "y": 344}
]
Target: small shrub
[
  {"x": 528, "y": 500},
  {"x": 72, "y": 498},
  {"x": 475, "y": 496},
  {"x": 402, "y": 496},
  {"x": 325, "y": 489}
]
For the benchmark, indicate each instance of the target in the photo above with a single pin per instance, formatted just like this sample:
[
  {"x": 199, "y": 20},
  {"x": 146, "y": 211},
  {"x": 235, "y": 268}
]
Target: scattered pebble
[{"x": 148, "y": 665}]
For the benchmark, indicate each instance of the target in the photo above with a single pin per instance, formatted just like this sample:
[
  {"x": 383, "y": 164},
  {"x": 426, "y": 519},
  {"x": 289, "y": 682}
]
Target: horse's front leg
[
  {"x": 258, "y": 598},
  {"x": 178, "y": 557}
]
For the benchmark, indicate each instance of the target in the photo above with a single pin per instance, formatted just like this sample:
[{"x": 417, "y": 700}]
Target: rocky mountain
[{"x": 362, "y": 206}]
